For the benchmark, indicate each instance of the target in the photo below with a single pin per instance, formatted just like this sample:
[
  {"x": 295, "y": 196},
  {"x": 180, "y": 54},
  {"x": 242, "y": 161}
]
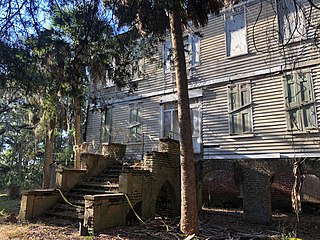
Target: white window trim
[
  {"x": 196, "y": 105},
  {"x": 229, "y": 12}
]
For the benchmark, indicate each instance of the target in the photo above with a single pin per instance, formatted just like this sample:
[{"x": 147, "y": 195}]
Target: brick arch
[
  {"x": 166, "y": 200},
  {"x": 213, "y": 165}
]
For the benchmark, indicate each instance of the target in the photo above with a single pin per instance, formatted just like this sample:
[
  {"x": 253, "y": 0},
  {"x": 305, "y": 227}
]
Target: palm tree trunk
[
  {"x": 189, "y": 211},
  {"x": 48, "y": 155},
  {"x": 77, "y": 137}
]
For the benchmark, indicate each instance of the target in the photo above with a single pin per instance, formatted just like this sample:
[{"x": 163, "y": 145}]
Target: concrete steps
[{"x": 105, "y": 183}]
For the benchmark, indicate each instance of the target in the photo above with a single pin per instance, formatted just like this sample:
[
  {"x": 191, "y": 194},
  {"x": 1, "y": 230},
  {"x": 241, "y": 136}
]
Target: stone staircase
[{"x": 106, "y": 182}]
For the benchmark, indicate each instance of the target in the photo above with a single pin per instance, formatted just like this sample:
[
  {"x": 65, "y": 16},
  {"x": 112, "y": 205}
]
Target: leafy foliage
[{"x": 50, "y": 52}]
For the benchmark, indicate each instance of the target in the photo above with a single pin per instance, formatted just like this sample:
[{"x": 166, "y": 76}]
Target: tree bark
[
  {"x": 77, "y": 137},
  {"x": 48, "y": 154},
  {"x": 189, "y": 211}
]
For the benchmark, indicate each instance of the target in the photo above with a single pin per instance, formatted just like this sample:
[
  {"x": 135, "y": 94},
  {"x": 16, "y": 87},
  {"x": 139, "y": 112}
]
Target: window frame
[
  {"x": 299, "y": 105},
  {"x": 237, "y": 109},
  {"x": 227, "y": 14},
  {"x": 295, "y": 36},
  {"x": 195, "y": 104},
  {"x": 192, "y": 54},
  {"x": 138, "y": 69}
]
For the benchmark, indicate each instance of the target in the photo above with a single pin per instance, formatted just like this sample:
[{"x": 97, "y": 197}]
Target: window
[
  {"x": 170, "y": 123},
  {"x": 291, "y": 20},
  {"x": 106, "y": 125},
  {"x": 236, "y": 32},
  {"x": 299, "y": 100},
  {"x": 135, "y": 117},
  {"x": 138, "y": 68},
  {"x": 240, "y": 120},
  {"x": 110, "y": 72},
  {"x": 192, "y": 54}
]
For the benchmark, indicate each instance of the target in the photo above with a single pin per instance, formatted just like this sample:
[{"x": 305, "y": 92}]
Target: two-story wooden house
[{"x": 254, "y": 88}]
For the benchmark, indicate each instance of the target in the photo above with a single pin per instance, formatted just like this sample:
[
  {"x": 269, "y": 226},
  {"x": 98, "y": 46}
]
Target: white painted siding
[{"x": 263, "y": 66}]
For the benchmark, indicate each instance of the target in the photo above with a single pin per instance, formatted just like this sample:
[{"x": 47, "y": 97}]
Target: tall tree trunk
[
  {"x": 77, "y": 137},
  {"x": 48, "y": 154},
  {"x": 19, "y": 163},
  {"x": 189, "y": 211}
]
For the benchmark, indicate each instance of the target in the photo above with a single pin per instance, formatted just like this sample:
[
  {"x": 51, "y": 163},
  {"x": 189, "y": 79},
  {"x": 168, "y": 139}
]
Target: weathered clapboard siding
[
  {"x": 120, "y": 126},
  {"x": 316, "y": 85},
  {"x": 264, "y": 50},
  {"x": 270, "y": 133},
  {"x": 151, "y": 123},
  {"x": 93, "y": 133},
  {"x": 263, "y": 66}
]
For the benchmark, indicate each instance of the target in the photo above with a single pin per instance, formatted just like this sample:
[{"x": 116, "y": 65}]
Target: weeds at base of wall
[{"x": 289, "y": 236}]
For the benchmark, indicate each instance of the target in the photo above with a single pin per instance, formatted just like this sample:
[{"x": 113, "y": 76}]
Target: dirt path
[{"x": 215, "y": 224}]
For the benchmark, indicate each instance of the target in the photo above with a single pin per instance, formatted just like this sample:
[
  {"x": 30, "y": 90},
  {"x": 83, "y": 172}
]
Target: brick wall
[
  {"x": 220, "y": 190},
  {"x": 256, "y": 193}
]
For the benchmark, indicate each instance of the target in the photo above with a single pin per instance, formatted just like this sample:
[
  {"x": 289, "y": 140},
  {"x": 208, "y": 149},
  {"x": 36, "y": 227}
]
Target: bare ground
[{"x": 214, "y": 224}]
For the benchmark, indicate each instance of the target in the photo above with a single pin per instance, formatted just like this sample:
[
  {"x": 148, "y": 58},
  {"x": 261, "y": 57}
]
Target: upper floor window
[
  {"x": 291, "y": 20},
  {"x": 109, "y": 73},
  {"x": 191, "y": 50},
  {"x": 240, "y": 109},
  {"x": 135, "y": 117},
  {"x": 106, "y": 125},
  {"x": 236, "y": 32},
  {"x": 138, "y": 68},
  {"x": 299, "y": 101}
]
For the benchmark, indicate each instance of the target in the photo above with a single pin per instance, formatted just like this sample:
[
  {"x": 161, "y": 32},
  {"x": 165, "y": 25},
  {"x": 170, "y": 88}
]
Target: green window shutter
[
  {"x": 306, "y": 87},
  {"x": 291, "y": 87},
  {"x": 233, "y": 97}
]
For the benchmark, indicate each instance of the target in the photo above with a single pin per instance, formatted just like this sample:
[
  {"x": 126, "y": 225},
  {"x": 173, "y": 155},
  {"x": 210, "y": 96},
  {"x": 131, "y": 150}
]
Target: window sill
[
  {"x": 138, "y": 79},
  {"x": 247, "y": 135},
  {"x": 293, "y": 41},
  {"x": 296, "y": 132},
  {"x": 238, "y": 55}
]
